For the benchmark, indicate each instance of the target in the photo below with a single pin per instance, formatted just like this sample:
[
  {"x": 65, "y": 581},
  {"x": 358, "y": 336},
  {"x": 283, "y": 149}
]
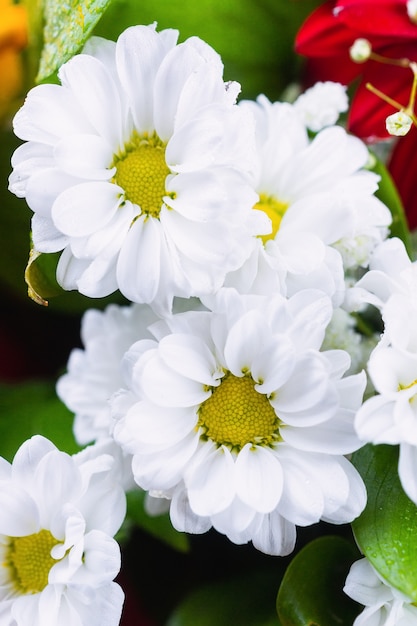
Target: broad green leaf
[
  {"x": 311, "y": 593},
  {"x": 67, "y": 27},
  {"x": 33, "y": 408},
  {"x": 254, "y": 37},
  {"x": 159, "y": 526},
  {"x": 247, "y": 600},
  {"x": 386, "y": 531},
  {"x": 388, "y": 194}
]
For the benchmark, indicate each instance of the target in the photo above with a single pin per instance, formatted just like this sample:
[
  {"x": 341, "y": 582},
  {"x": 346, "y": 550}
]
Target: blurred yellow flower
[{"x": 13, "y": 37}]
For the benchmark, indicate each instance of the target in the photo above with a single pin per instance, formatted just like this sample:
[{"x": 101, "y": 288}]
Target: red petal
[
  {"x": 386, "y": 18},
  {"x": 326, "y": 42},
  {"x": 321, "y": 34},
  {"x": 403, "y": 173}
]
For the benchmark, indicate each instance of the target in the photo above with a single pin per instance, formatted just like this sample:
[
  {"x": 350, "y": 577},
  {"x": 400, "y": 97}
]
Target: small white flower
[
  {"x": 384, "y": 605},
  {"x": 321, "y": 105},
  {"x": 135, "y": 166},
  {"x": 320, "y": 201},
  {"x": 238, "y": 417},
  {"x": 360, "y": 50},
  {"x": 398, "y": 124},
  {"x": 57, "y": 519}
]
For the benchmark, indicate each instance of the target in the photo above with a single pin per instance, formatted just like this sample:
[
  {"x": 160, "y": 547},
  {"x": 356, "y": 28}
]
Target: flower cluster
[{"x": 230, "y": 388}]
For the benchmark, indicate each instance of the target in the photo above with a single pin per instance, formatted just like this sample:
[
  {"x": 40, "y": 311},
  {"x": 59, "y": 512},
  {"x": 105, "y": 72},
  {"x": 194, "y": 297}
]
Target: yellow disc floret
[
  {"x": 274, "y": 209},
  {"x": 29, "y": 561},
  {"x": 141, "y": 171},
  {"x": 236, "y": 414}
]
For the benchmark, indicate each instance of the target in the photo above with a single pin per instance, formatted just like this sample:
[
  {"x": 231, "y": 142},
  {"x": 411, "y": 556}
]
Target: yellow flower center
[
  {"x": 141, "y": 171},
  {"x": 236, "y": 414},
  {"x": 29, "y": 561},
  {"x": 274, "y": 209}
]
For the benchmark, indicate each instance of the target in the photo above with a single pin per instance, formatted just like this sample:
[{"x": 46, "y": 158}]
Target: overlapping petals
[{"x": 299, "y": 476}]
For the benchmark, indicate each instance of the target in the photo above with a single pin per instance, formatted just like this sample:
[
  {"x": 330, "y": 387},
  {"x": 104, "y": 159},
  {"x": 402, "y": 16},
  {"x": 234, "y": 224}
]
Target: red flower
[{"x": 326, "y": 37}]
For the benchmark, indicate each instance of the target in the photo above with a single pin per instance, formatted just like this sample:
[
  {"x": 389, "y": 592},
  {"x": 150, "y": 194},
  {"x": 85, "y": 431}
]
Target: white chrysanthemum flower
[
  {"x": 384, "y": 605},
  {"x": 391, "y": 416},
  {"x": 135, "y": 166},
  {"x": 238, "y": 417},
  {"x": 57, "y": 521},
  {"x": 94, "y": 373},
  {"x": 321, "y": 105},
  {"x": 320, "y": 200}
]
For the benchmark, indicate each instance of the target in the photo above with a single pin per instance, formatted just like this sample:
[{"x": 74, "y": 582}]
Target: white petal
[
  {"x": 183, "y": 518},
  {"x": 259, "y": 478},
  {"x": 49, "y": 113},
  {"x": 44, "y": 187},
  {"x": 163, "y": 470},
  {"x": 246, "y": 339},
  {"x": 374, "y": 422},
  {"x": 165, "y": 387},
  {"x": 47, "y": 238},
  {"x": 141, "y": 251},
  {"x": 85, "y": 156},
  {"x": 211, "y": 483},
  {"x": 150, "y": 425},
  {"x": 139, "y": 53},
  {"x": 97, "y": 95},
  {"x": 302, "y": 500},
  {"x": 19, "y": 515},
  {"x": 407, "y": 470},
  {"x": 58, "y": 481},
  {"x": 178, "y": 64},
  {"x": 189, "y": 356},
  {"x": 307, "y": 397},
  {"x": 274, "y": 365},
  {"x": 275, "y": 535},
  {"x": 85, "y": 208}
]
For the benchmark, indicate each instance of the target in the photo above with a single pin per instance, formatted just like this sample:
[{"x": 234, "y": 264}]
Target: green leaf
[
  {"x": 33, "y": 408},
  {"x": 386, "y": 531},
  {"x": 311, "y": 593},
  {"x": 40, "y": 276},
  {"x": 246, "y": 600},
  {"x": 254, "y": 37},
  {"x": 67, "y": 27},
  {"x": 159, "y": 526},
  {"x": 388, "y": 194}
]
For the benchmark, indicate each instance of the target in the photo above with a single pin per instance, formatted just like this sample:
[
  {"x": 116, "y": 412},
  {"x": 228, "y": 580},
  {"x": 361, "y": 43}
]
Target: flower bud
[
  {"x": 398, "y": 124},
  {"x": 360, "y": 51}
]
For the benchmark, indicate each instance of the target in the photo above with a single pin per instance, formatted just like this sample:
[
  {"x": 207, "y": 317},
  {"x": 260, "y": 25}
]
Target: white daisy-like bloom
[
  {"x": 320, "y": 199},
  {"x": 237, "y": 417},
  {"x": 384, "y": 605},
  {"x": 391, "y": 416},
  {"x": 58, "y": 516},
  {"x": 322, "y": 104},
  {"x": 136, "y": 167},
  {"x": 94, "y": 373}
]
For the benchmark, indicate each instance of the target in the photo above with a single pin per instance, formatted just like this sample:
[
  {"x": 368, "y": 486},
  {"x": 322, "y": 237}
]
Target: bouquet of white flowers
[{"x": 242, "y": 268}]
